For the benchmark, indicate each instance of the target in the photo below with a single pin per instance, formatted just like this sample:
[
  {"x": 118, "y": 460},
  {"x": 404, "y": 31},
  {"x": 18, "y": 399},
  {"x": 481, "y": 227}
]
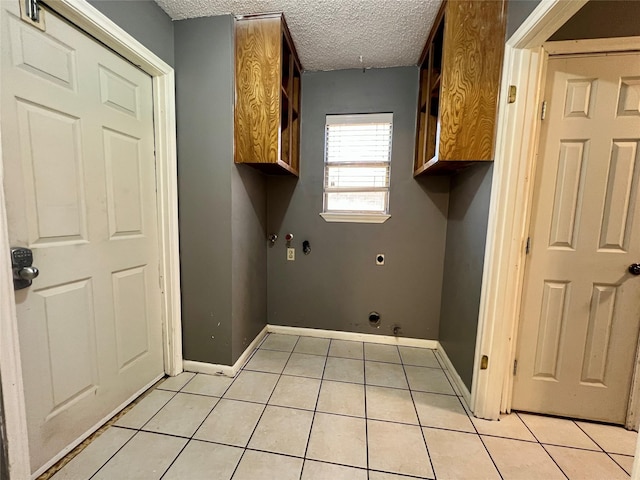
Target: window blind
[{"x": 357, "y": 163}]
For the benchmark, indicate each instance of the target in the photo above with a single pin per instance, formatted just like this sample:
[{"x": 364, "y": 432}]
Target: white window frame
[{"x": 357, "y": 217}]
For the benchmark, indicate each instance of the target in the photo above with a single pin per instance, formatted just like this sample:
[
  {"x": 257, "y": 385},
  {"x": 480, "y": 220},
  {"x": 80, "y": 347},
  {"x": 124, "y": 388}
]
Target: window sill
[{"x": 355, "y": 217}]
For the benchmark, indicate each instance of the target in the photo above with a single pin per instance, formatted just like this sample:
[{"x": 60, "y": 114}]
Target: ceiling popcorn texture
[{"x": 333, "y": 34}]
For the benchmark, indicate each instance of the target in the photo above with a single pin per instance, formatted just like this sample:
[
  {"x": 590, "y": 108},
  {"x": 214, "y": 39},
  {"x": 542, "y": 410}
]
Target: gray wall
[
  {"x": 517, "y": 12},
  {"x": 338, "y": 284},
  {"x": 249, "y": 256},
  {"x": 222, "y": 206},
  {"x": 145, "y": 21},
  {"x": 464, "y": 259},
  {"x": 602, "y": 19}
]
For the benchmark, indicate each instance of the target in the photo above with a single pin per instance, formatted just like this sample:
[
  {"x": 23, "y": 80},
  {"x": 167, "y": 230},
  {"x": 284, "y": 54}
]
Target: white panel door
[
  {"x": 581, "y": 306},
  {"x": 78, "y": 150}
]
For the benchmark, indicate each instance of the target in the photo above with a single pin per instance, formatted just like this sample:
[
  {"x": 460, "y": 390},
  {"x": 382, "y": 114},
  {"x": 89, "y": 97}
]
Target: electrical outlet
[{"x": 291, "y": 254}]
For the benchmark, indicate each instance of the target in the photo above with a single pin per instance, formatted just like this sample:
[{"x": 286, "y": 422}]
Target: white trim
[
  {"x": 459, "y": 384},
  {"x": 89, "y": 432},
  {"x": 515, "y": 146},
  {"x": 352, "y": 336},
  {"x": 597, "y": 45},
  {"x": 355, "y": 217},
  {"x": 87, "y": 18},
  {"x": 348, "y": 119},
  {"x": 227, "y": 370}
]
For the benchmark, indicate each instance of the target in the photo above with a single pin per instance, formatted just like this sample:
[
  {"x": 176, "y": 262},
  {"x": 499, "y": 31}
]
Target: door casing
[{"x": 90, "y": 20}]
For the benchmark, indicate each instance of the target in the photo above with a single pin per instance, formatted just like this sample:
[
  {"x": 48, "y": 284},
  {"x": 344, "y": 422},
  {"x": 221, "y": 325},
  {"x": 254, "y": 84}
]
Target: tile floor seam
[
  {"x": 618, "y": 463},
  {"x": 176, "y": 457},
  {"x": 114, "y": 454},
  {"x": 264, "y": 409},
  {"x": 590, "y": 437},
  {"x": 554, "y": 461},
  {"x": 175, "y": 394},
  {"x": 415, "y": 408},
  {"x": 366, "y": 415},
  {"x": 315, "y": 410}
]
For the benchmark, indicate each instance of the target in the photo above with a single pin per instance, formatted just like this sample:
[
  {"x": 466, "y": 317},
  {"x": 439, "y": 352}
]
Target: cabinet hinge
[
  {"x": 515, "y": 366},
  {"x": 543, "y": 113},
  {"x": 527, "y": 247}
]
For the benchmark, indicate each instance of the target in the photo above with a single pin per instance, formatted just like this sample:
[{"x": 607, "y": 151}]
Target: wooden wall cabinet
[
  {"x": 267, "y": 95},
  {"x": 460, "y": 71}
]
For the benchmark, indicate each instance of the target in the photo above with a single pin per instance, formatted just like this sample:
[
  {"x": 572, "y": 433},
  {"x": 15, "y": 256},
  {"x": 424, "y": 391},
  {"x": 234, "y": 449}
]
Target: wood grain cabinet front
[
  {"x": 267, "y": 95},
  {"x": 460, "y": 71}
]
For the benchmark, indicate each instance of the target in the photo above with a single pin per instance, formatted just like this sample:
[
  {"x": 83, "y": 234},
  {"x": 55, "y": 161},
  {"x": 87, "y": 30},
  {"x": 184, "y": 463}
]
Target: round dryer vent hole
[
  {"x": 380, "y": 259},
  {"x": 374, "y": 319}
]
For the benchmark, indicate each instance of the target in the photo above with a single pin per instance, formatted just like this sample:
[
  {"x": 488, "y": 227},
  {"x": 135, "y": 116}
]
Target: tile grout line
[
  {"x": 366, "y": 414},
  {"x": 415, "y": 408},
  {"x": 315, "y": 410},
  {"x": 540, "y": 443},
  {"x": 265, "y": 405},
  {"x": 190, "y": 438},
  {"x": 600, "y": 446}
]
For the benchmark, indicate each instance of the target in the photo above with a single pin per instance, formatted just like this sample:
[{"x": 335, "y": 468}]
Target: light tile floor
[{"x": 317, "y": 409}]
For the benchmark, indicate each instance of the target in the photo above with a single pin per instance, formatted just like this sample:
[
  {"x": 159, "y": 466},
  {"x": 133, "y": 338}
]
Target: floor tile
[
  {"x": 312, "y": 346},
  {"x": 95, "y": 455},
  {"x": 585, "y": 465},
  {"x": 277, "y": 341},
  {"x": 142, "y": 412},
  {"x": 262, "y": 465},
  {"x": 419, "y": 357},
  {"x": 381, "y": 353},
  {"x": 397, "y": 448},
  {"x": 442, "y": 411},
  {"x": 269, "y": 361},
  {"x": 252, "y": 386},
  {"x": 146, "y": 457},
  {"x": 231, "y": 422},
  {"x": 346, "y": 349},
  {"x": 303, "y": 365},
  {"x": 426, "y": 379},
  {"x": 338, "y": 439},
  {"x": 390, "y": 404},
  {"x": 204, "y": 461},
  {"x": 296, "y": 392},
  {"x": 387, "y": 476},
  {"x": 341, "y": 398},
  {"x": 516, "y": 459},
  {"x": 212, "y": 385},
  {"x": 344, "y": 370},
  {"x": 282, "y": 430},
  {"x": 457, "y": 455},
  {"x": 612, "y": 439},
  {"x": 557, "y": 431},
  {"x": 385, "y": 375},
  {"x": 508, "y": 426},
  {"x": 624, "y": 461},
  {"x": 176, "y": 383},
  {"x": 182, "y": 415},
  {"x": 313, "y": 470}
]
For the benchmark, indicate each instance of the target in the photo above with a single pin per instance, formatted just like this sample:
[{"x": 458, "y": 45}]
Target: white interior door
[
  {"x": 78, "y": 150},
  {"x": 581, "y": 307}
]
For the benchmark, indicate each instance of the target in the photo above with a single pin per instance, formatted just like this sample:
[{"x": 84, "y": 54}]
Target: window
[{"x": 357, "y": 167}]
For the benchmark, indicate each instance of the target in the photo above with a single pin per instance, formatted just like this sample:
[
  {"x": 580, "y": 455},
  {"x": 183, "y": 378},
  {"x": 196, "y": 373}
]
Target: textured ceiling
[{"x": 333, "y": 34}]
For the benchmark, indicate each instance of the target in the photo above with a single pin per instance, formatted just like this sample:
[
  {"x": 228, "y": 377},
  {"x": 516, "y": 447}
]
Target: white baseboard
[
  {"x": 458, "y": 383},
  {"x": 89, "y": 432},
  {"x": 356, "y": 337},
  {"x": 227, "y": 370}
]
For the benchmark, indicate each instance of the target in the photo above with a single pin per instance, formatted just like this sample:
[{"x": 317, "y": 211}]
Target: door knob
[
  {"x": 28, "y": 273},
  {"x": 634, "y": 269}
]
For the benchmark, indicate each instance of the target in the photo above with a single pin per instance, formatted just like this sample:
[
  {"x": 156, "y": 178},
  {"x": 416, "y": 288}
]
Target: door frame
[
  {"x": 89, "y": 19},
  {"x": 526, "y": 54}
]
